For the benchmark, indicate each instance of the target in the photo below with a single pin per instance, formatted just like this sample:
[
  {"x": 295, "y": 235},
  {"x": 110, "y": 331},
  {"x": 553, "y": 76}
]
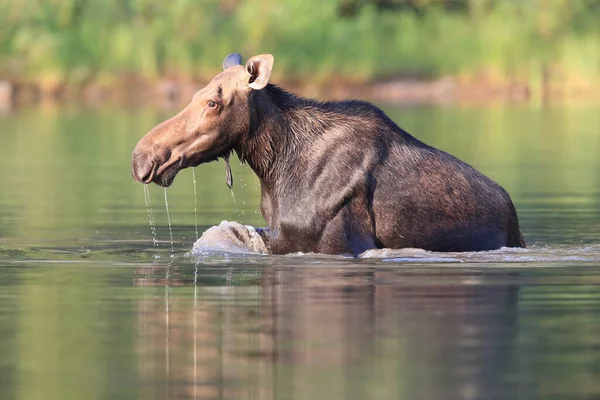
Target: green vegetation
[{"x": 74, "y": 42}]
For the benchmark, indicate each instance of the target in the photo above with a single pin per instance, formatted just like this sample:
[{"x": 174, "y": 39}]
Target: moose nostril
[
  {"x": 148, "y": 173},
  {"x": 142, "y": 170}
]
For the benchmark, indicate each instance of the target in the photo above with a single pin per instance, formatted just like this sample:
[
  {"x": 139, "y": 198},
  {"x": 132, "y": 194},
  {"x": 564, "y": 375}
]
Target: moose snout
[{"x": 143, "y": 168}]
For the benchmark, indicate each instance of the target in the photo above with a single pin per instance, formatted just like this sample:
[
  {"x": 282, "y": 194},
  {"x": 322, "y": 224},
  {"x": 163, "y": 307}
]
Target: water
[
  {"x": 89, "y": 308},
  {"x": 195, "y": 203},
  {"x": 169, "y": 222},
  {"x": 151, "y": 215}
]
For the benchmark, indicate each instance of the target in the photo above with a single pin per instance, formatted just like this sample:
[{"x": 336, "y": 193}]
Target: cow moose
[{"x": 336, "y": 177}]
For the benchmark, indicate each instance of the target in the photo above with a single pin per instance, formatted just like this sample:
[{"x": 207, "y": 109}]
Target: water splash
[
  {"x": 169, "y": 221},
  {"x": 150, "y": 215},
  {"x": 195, "y": 205}
]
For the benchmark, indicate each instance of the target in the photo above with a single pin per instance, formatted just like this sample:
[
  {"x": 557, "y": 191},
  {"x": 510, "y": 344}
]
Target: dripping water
[
  {"x": 195, "y": 205},
  {"x": 228, "y": 176},
  {"x": 229, "y": 180},
  {"x": 242, "y": 186},
  {"x": 150, "y": 215},
  {"x": 169, "y": 221}
]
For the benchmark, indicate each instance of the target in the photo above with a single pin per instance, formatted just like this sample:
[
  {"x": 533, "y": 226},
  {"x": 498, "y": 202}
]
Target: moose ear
[
  {"x": 259, "y": 68},
  {"x": 231, "y": 60}
]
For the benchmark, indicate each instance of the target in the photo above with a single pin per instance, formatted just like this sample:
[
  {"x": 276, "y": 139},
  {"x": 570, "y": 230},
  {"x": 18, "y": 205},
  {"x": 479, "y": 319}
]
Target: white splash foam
[
  {"x": 230, "y": 237},
  {"x": 233, "y": 238}
]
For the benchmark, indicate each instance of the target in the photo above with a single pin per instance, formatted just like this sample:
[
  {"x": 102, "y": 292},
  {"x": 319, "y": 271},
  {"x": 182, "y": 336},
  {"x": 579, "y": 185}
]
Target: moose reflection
[{"x": 288, "y": 332}]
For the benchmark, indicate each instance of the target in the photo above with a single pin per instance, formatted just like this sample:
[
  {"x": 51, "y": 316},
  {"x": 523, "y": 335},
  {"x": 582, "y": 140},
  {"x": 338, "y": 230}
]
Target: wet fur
[{"x": 341, "y": 177}]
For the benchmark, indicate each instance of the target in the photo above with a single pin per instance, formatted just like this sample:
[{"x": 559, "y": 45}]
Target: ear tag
[
  {"x": 228, "y": 176},
  {"x": 231, "y": 60}
]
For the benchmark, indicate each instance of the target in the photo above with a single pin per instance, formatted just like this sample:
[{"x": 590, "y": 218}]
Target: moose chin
[{"x": 336, "y": 177}]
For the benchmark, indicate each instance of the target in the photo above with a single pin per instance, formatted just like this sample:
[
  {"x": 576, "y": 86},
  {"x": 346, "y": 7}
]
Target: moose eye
[{"x": 212, "y": 104}]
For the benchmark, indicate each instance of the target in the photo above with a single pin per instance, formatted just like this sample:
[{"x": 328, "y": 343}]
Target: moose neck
[{"x": 281, "y": 124}]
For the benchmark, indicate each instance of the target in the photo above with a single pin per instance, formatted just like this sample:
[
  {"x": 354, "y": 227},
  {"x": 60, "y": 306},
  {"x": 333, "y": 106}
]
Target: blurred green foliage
[{"x": 75, "y": 41}]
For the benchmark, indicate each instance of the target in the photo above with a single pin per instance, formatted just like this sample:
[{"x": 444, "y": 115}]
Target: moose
[{"x": 336, "y": 177}]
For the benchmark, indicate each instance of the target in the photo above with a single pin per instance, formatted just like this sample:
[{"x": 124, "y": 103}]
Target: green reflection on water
[{"x": 69, "y": 336}]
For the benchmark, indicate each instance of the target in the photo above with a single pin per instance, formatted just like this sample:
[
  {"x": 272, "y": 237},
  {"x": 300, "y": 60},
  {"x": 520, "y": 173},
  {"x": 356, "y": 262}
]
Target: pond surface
[{"x": 92, "y": 308}]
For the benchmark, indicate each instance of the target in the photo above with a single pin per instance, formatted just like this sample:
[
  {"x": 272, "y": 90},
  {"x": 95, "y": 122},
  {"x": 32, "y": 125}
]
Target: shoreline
[{"x": 397, "y": 91}]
